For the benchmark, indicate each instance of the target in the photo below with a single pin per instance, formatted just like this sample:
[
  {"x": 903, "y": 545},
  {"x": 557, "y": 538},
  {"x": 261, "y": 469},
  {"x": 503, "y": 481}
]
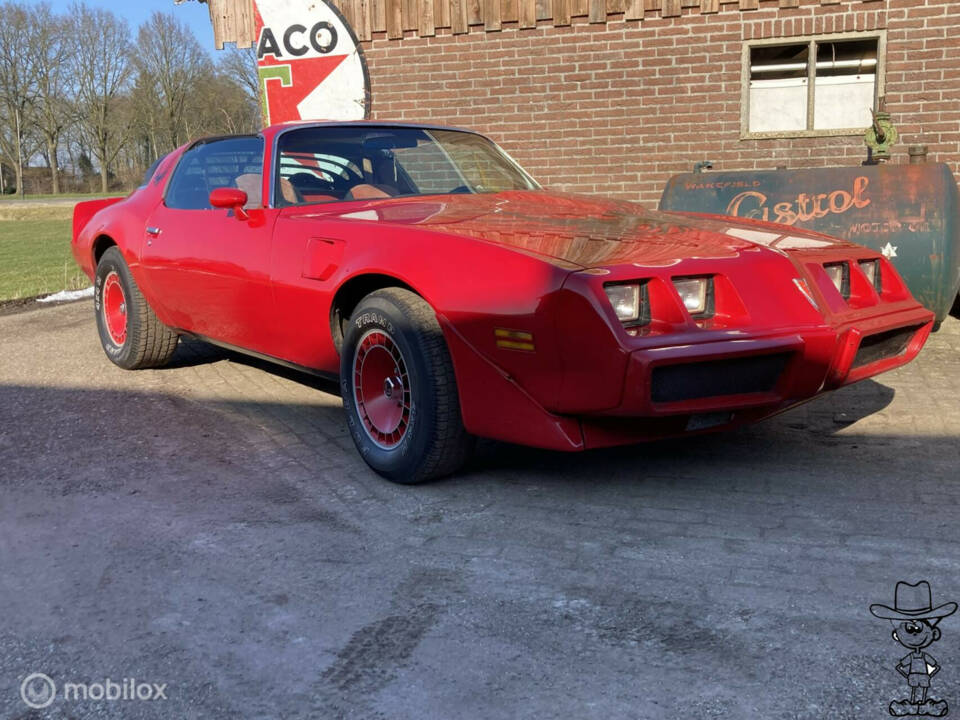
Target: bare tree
[
  {"x": 241, "y": 67},
  {"x": 227, "y": 109},
  {"x": 170, "y": 63},
  {"x": 79, "y": 98},
  {"x": 50, "y": 50},
  {"x": 17, "y": 84},
  {"x": 102, "y": 74}
]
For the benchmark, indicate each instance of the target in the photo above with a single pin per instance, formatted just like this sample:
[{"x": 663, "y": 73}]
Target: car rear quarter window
[
  {"x": 227, "y": 163},
  {"x": 151, "y": 172}
]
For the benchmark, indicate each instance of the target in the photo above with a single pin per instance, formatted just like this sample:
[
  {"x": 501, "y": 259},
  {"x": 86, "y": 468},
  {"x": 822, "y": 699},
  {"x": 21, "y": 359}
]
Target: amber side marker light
[{"x": 514, "y": 339}]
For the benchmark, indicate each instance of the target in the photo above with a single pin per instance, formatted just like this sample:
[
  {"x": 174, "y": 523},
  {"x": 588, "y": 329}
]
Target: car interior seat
[
  {"x": 312, "y": 188},
  {"x": 289, "y": 194},
  {"x": 364, "y": 191},
  {"x": 252, "y": 185}
]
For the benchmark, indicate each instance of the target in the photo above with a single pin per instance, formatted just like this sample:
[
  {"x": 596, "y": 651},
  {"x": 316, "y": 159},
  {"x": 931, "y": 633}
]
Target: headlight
[
  {"x": 625, "y": 300},
  {"x": 871, "y": 268},
  {"x": 840, "y": 276},
  {"x": 693, "y": 293}
]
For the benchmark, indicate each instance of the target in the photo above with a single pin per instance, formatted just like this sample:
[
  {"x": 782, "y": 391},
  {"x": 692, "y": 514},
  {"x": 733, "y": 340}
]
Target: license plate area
[{"x": 705, "y": 421}]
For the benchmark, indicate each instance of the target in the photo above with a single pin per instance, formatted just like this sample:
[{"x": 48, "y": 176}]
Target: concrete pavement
[{"x": 210, "y": 527}]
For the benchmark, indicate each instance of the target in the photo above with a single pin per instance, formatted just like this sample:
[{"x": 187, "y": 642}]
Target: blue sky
[{"x": 135, "y": 12}]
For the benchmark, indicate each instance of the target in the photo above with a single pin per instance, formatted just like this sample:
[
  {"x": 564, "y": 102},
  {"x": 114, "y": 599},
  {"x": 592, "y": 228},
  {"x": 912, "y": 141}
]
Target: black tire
[
  {"x": 146, "y": 342},
  {"x": 433, "y": 442}
]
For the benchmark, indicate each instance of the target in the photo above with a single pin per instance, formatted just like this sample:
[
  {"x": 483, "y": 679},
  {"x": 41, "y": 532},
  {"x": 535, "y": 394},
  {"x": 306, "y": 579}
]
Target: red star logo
[{"x": 294, "y": 82}]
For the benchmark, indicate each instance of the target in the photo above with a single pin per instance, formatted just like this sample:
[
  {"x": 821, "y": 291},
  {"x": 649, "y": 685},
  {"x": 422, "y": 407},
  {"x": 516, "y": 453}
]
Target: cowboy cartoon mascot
[{"x": 915, "y": 627}]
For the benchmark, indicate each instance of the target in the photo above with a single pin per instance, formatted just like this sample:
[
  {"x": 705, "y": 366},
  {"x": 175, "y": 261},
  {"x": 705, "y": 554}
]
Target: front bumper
[
  {"x": 713, "y": 379},
  {"x": 674, "y": 390}
]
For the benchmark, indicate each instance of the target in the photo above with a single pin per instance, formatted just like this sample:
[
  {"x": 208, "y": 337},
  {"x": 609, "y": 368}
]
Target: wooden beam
[
  {"x": 232, "y": 22},
  {"x": 671, "y": 8},
  {"x": 561, "y": 12},
  {"x": 709, "y": 6},
  {"x": 362, "y": 27},
  {"x": 441, "y": 13},
  {"x": 378, "y": 16},
  {"x": 633, "y": 10},
  {"x": 509, "y": 12},
  {"x": 598, "y": 11},
  {"x": 475, "y": 12},
  {"x": 410, "y": 14},
  {"x": 528, "y": 13},
  {"x": 426, "y": 26},
  {"x": 346, "y": 8},
  {"x": 491, "y": 15},
  {"x": 394, "y": 19},
  {"x": 458, "y": 17},
  {"x": 749, "y": 4}
]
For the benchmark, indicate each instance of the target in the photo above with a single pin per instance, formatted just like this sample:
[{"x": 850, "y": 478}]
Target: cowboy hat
[{"x": 913, "y": 602}]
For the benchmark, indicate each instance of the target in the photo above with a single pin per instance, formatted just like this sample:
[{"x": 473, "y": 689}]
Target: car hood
[{"x": 583, "y": 231}]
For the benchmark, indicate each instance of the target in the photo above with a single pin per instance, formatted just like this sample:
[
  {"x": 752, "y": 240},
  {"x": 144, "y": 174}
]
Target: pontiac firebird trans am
[{"x": 456, "y": 299}]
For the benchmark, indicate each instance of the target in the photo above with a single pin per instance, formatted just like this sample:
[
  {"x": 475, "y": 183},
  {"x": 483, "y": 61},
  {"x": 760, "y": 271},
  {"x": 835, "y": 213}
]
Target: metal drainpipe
[{"x": 918, "y": 154}]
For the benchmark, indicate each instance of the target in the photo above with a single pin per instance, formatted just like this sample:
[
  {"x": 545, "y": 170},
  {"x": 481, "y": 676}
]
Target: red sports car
[{"x": 455, "y": 298}]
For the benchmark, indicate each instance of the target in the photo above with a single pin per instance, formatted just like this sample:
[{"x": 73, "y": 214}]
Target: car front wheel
[
  {"x": 399, "y": 390},
  {"x": 131, "y": 335}
]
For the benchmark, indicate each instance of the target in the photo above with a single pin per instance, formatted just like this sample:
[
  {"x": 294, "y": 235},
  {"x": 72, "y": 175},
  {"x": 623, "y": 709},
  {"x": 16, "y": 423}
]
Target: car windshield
[{"x": 332, "y": 164}]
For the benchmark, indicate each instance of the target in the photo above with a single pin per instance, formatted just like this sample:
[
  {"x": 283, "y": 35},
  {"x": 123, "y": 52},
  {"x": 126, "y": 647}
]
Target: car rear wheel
[
  {"x": 131, "y": 335},
  {"x": 399, "y": 390}
]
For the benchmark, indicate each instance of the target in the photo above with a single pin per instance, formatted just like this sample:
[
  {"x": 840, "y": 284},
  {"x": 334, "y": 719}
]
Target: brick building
[{"x": 615, "y": 96}]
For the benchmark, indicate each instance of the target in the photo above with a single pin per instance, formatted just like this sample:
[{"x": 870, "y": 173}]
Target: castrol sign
[{"x": 310, "y": 65}]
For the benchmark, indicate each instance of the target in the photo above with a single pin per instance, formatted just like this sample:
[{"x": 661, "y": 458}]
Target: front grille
[
  {"x": 883, "y": 345},
  {"x": 738, "y": 376}
]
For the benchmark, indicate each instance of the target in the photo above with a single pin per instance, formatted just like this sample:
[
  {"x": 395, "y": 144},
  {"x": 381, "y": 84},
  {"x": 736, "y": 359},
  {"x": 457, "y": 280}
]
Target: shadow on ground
[
  {"x": 806, "y": 435},
  {"x": 816, "y": 421}
]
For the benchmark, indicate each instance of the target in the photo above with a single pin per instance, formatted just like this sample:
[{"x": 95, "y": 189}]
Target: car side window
[
  {"x": 228, "y": 163},
  {"x": 313, "y": 177}
]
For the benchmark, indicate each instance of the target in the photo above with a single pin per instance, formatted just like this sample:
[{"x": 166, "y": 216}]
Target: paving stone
[{"x": 211, "y": 527}]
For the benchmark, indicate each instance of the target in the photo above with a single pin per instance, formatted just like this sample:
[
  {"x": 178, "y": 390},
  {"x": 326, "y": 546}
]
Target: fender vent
[{"x": 738, "y": 376}]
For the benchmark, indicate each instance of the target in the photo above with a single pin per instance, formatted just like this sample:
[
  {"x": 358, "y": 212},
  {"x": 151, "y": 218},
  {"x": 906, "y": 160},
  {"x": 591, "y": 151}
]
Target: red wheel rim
[
  {"x": 115, "y": 309},
  {"x": 381, "y": 389}
]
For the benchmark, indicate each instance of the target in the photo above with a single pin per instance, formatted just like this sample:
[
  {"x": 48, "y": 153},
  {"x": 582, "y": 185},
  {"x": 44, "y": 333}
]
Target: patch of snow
[{"x": 67, "y": 296}]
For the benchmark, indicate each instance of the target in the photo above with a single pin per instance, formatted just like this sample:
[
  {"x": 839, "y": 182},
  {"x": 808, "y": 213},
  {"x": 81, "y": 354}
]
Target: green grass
[
  {"x": 35, "y": 257},
  {"x": 65, "y": 196}
]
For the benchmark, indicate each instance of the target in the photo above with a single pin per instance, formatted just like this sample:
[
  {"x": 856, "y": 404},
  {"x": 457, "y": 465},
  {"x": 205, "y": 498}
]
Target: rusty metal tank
[{"x": 909, "y": 213}]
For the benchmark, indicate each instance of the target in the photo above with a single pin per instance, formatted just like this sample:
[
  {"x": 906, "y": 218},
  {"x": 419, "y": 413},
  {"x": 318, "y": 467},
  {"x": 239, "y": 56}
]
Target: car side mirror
[{"x": 230, "y": 199}]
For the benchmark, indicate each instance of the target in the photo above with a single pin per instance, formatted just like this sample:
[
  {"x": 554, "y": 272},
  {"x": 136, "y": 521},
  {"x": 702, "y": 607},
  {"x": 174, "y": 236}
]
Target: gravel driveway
[{"x": 209, "y": 528}]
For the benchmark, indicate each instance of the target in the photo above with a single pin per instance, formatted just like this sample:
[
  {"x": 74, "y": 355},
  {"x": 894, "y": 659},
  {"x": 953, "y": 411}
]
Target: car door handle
[{"x": 154, "y": 231}]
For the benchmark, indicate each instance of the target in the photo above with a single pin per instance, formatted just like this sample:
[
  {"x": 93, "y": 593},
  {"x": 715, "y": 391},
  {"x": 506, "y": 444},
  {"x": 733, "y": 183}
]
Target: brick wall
[{"x": 618, "y": 108}]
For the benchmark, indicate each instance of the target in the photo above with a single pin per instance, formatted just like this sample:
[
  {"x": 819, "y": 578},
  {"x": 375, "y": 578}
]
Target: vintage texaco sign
[{"x": 311, "y": 67}]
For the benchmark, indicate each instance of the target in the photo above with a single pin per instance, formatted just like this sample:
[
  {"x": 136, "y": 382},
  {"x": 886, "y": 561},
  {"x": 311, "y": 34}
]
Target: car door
[
  {"x": 315, "y": 169},
  {"x": 210, "y": 267}
]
